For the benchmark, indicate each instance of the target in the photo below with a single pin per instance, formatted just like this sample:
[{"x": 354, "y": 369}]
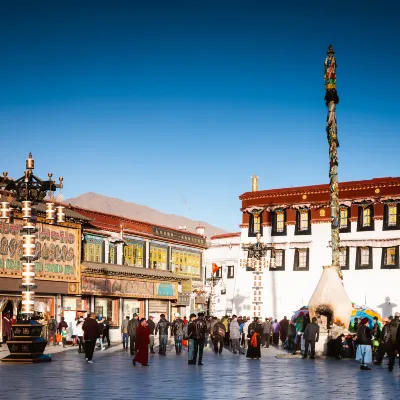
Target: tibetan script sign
[
  {"x": 56, "y": 251},
  {"x": 180, "y": 236},
  {"x": 129, "y": 288}
]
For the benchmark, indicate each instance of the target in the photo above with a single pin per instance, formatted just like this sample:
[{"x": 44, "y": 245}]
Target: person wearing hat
[
  {"x": 386, "y": 345},
  {"x": 190, "y": 338},
  {"x": 364, "y": 348},
  {"x": 132, "y": 326},
  {"x": 177, "y": 330}
]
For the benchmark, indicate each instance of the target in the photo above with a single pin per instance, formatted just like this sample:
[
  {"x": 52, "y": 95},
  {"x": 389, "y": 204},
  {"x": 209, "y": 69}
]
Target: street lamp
[
  {"x": 27, "y": 346},
  {"x": 256, "y": 261}
]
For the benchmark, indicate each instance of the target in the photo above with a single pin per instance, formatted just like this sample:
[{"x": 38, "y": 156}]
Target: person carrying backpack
[{"x": 219, "y": 333}]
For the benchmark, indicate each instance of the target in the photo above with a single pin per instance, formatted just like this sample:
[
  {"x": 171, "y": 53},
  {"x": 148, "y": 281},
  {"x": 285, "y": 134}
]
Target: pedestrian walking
[
  {"x": 64, "y": 336},
  {"x": 6, "y": 327},
  {"x": 364, "y": 348},
  {"x": 283, "y": 329},
  {"x": 79, "y": 334},
  {"x": 311, "y": 336},
  {"x": 132, "y": 326},
  {"x": 90, "y": 334},
  {"x": 387, "y": 346},
  {"x": 254, "y": 340},
  {"x": 291, "y": 336},
  {"x": 189, "y": 335},
  {"x": 61, "y": 325},
  {"x": 177, "y": 330},
  {"x": 101, "y": 330},
  {"x": 218, "y": 336},
  {"x": 276, "y": 327},
  {"x": 152, "y": 326},
  {"x": 142, "y": 344},
  {"x": 200, "y": 328},
  {"x": 267, "y": 329},
  {"x": 51, "y": 330},
  {"x": 124, "y": 332},
  {"x": 235, "y": 334},
  {"x": 106, "y": 332},
  {"x": 246, "y": 331},
  {"x": 162, "y": 330}
]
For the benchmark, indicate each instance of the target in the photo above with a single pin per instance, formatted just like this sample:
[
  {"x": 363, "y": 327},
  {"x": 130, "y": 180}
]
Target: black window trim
[
  {"x": 230, "y": 268},
  {"x": 387, "y": 266},
  {"x": 251, "y": 225},
  {"x": 297, "y": 230},
  {"x": 347, "y": 267},
  {"x": 347, "y": 229},
  {"x": 282, "y": 268},
  {"x": 274, "y": 231},
  {"x": 297, "y": 259},
  {"x": 360, "y": 227},
  {"x": 386, "y": 226},
  {"x": 358, "y": 259}
]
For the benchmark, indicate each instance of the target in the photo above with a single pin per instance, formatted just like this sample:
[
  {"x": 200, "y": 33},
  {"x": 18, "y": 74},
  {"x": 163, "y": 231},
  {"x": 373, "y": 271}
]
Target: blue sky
[{"x": 168, "y": 103}]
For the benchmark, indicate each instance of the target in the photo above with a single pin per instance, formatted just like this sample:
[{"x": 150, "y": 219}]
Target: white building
[
  {"x": 224, "y": 251},
  {"x": 295, "y": 225}
]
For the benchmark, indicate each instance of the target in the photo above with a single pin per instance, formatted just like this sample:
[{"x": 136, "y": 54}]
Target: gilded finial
[{"x": 254, "y": 183}]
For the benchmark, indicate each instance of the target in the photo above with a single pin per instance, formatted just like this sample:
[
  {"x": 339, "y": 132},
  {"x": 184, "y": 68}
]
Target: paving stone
[{"x": 113, "y": 377}]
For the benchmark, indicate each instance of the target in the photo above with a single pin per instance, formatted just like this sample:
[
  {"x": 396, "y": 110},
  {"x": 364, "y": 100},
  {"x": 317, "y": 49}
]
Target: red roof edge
[{"x": 225, "y": 235}]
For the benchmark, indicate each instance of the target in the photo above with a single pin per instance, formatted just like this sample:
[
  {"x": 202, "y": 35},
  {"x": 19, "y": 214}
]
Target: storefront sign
[
  {"x": 56, "y": 251},
  {"x": 180, "y": 236},
  {"x": 129, "y": 288},
  {"x": 187, "y": 286}
]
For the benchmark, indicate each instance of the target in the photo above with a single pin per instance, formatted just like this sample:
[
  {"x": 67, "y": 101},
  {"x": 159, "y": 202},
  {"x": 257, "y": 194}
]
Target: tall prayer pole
[{"x": 331, "y": 99}]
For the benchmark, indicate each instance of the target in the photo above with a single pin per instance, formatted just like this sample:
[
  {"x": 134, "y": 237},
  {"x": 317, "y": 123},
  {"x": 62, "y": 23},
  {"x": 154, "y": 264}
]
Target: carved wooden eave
[{"x": 123, "y": 271}]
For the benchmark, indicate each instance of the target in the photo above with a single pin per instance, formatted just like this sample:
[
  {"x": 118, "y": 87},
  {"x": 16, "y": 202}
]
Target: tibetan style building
[
  {"x": 132, "y": 267},
  {"x": 295, "y": 225},
  {"x": 57, "y": 267}
]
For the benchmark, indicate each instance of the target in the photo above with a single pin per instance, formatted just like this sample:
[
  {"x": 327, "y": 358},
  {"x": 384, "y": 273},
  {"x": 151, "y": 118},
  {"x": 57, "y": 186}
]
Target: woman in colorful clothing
[{"x": 364, "y": 349}]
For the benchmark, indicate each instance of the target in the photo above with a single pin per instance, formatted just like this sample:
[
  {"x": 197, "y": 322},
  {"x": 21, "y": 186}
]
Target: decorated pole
[{"x": 331, "y": 99}]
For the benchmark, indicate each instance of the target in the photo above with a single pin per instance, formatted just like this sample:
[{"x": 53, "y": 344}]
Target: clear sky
[{"x": 175, "y": 104}]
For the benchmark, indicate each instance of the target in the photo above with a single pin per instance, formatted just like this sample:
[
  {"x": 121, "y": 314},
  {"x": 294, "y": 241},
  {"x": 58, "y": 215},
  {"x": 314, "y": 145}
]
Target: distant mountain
[{"x": 111, "y": 205}]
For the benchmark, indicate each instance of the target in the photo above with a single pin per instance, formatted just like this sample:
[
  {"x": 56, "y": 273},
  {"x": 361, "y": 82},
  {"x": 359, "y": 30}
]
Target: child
[{"x": 64, "y": 337}]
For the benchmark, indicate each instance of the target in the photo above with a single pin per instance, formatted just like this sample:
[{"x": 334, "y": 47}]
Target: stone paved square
[{"x": 228, "y": 376}]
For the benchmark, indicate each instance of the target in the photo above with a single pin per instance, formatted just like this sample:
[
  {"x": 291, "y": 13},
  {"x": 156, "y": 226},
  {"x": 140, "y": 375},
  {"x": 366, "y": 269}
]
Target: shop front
[
  {"x": 118, "y": 291},
  {"x": 56, "y": 268}
]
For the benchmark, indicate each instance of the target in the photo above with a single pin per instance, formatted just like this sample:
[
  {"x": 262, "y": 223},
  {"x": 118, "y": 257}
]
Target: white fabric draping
[
  {"x": 254, "y": 209},
  {"x": 369, "y": 243}
]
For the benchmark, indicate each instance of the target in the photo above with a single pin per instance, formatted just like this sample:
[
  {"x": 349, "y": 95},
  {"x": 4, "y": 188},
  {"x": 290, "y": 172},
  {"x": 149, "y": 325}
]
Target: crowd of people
[{"x": 240, "y": 335}]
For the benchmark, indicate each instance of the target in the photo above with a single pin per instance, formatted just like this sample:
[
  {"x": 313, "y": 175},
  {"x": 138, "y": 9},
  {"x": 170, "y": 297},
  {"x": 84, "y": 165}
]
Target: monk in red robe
[{"x": 142, "y": 344}]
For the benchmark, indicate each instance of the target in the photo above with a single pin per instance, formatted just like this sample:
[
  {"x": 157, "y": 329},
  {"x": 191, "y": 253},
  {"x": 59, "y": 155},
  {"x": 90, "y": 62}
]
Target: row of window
[
  {"x": 365, "y": 221},
  {"x": 183, "y": 262},
  {"x": 230, "y": 273},
  {"x": 364, "y": 259}
]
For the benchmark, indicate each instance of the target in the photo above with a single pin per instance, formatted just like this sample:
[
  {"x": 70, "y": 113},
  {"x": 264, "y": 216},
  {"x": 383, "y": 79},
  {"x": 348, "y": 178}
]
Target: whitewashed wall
[{"x": 286, "y": 291}]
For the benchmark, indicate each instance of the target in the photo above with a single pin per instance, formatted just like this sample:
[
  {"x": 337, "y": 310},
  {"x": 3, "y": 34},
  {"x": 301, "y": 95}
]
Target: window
[
  {"x": 303, "y": 222},
  {"x": 186, "y": 263},
  {"x": 231, "y": 272},
  {"x": 391, "y": 218},
  {"x": 158, "y": 258},
  {"x": 278, "y": 223},
  {"x": 279, "y": 260},
  {"x": 112, "y": 254},
  {"x": 344, "y": 221},
  {"x": 390, "y": 257},
  {"x": 364, "y": 258},
  {"x": 301, "y": 260},
  {"x": 92, "y": 252},
  {"x": 365, "y": 218},
  {"x": 218, "y": 274},
  {"x": 255, "y": 224},
  {"x": 344, "y": 258},
  {"x": 133, "y": 254},
  {"x": 108, "y": 309}
]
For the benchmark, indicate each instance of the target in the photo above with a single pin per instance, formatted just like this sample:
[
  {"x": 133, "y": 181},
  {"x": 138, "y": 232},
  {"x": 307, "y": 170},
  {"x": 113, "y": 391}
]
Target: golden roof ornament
[{"x": 254, "y": 183}]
